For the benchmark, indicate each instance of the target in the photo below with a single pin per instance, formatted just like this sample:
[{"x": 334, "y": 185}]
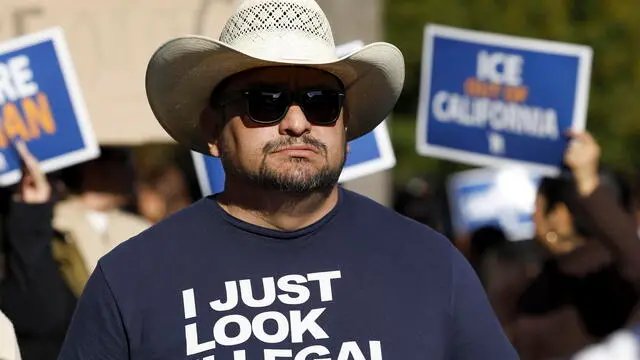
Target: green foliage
[{"x": 611, "y": 28}]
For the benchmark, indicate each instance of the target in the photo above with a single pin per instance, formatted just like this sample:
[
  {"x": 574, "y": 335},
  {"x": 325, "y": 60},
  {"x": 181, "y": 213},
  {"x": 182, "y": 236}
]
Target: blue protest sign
[
  {"x": 41, "y": 104},
  {"x": 493, "y": 100},
  {"x": 209, "y": 172},
  {"x": 372, "y": 152},
  {"x": 504, "y": 198},
  {"x": 368, "y": 154}
]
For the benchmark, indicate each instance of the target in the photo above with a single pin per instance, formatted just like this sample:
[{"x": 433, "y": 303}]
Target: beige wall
[{"x": 111, "y": 41}]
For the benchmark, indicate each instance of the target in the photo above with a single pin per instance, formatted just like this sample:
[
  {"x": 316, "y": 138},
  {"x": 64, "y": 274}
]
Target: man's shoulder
[
  {"x": 374, "y": 217},
  {"x": 403, "y": 244},
  {"x": 163, "y": 237},
  {"x": 370, "y": 212}
]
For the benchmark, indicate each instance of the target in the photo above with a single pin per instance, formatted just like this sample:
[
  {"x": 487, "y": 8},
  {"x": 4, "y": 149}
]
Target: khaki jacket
[{"x": 71, "y": 220}]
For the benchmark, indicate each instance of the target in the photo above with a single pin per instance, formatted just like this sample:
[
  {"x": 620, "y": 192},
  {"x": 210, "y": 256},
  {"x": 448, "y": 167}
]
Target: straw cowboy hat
[{"x": 183, "y": 72}]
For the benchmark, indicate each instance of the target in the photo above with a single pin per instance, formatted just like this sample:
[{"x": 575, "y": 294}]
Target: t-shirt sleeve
[
  {"x": 96, "y": 330},
  {"x": 477, "y": 334}
]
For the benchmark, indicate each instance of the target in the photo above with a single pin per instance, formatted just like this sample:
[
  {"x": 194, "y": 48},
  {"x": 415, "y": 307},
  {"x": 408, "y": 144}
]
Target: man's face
[{"x": 296, "y": 154}]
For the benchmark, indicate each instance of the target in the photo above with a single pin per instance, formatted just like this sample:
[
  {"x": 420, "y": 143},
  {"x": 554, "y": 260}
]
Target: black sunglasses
[{"x": 267, "y": 106}]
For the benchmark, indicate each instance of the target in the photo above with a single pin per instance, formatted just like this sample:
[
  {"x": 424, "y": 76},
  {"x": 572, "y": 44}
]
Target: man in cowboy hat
[{"x": 283, "y": 264}]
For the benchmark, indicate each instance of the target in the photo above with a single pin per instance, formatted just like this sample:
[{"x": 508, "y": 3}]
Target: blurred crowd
[
  {"x": 571, "y": 292},
  {"x": 54, "y": 228}
]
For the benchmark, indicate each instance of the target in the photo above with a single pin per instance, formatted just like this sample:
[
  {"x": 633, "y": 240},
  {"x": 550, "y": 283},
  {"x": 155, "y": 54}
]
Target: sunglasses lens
[
  {"x": 322, "y": 107},
  {"x": 266, "y": 107}
]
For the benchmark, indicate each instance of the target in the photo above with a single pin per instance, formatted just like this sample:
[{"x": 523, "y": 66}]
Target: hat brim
[{"x": 183, "y": 72}]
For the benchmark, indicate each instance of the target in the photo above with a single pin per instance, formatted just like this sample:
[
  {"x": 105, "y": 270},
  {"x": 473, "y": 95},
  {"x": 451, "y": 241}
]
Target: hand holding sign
[
  {"x": 582, "y": 157},
  {"x": 34, "y": 187}
]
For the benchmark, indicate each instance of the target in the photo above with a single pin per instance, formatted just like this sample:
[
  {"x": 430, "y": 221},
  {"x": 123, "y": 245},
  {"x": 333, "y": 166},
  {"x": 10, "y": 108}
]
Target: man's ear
[
  {"x": 345, "y": 121},
  {"x": 348, "y": 147},
  {"x": 211, "y": 125},
  {"x": 345, "y": 113}
]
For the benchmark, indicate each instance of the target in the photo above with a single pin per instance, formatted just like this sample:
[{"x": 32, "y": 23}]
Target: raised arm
[{"x": 614, "y": 227}]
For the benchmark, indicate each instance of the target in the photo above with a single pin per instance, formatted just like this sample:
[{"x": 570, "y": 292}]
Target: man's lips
[{"x": 297, "y": 149}]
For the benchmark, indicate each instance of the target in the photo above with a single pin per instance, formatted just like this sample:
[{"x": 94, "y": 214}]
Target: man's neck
[{"x": 275, "y": 209}]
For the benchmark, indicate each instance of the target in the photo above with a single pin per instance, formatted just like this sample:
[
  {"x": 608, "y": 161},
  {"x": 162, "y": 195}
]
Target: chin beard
[
  {"x": 296, "y": 182},
  {"x": 292, "y": 182},
  {"x": 323, "y": 180}
]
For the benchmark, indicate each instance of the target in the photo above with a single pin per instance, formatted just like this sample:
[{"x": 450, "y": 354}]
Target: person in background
[
  {"x": 483, "y": 240},
  {"x": 162, "y": 192},
  {"x": 9, "y": 349},
  {"x": 498, "y": 265},
  {"x": 588, "y": 288},
  {"x": 506, "y": 270},
  {"x": 45, "y": 273},
  {"x": 93, "y": 218},
  {"x": 420, "y": 200}
]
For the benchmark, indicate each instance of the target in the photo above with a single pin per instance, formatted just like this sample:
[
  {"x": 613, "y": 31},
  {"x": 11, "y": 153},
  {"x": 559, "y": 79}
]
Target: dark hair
[
  {"x": 562, "y": 190},
  {"x": 109, "y": 154},
  {"x": 482, "y": 240},
  {"x": 168, "y": 180},
  {"x": 486, "y": 237}
]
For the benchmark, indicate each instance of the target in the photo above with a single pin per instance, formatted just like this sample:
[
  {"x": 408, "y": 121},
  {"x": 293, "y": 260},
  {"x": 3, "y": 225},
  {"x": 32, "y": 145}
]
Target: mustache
[{"x": 276, "y": 145}]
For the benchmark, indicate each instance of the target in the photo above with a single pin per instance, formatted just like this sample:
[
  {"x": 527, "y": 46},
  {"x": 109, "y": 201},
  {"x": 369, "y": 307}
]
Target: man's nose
[{"x": 294, "y": 123}]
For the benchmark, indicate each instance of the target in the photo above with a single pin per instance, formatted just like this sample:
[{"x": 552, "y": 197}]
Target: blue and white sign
[
  {"x": 504, "y": 198},
  {"x": 367, "y": 155},
  {"x": 41, "y": 104},
  {"x": 493, "y": 100},
  {"x": 209, "y": 172},
  {"x": 372, "y": 152}
]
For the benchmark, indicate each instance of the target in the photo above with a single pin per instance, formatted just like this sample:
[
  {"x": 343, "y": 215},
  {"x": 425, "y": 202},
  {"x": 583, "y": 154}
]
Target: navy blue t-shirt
[{"x": 363, "y": 283}]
